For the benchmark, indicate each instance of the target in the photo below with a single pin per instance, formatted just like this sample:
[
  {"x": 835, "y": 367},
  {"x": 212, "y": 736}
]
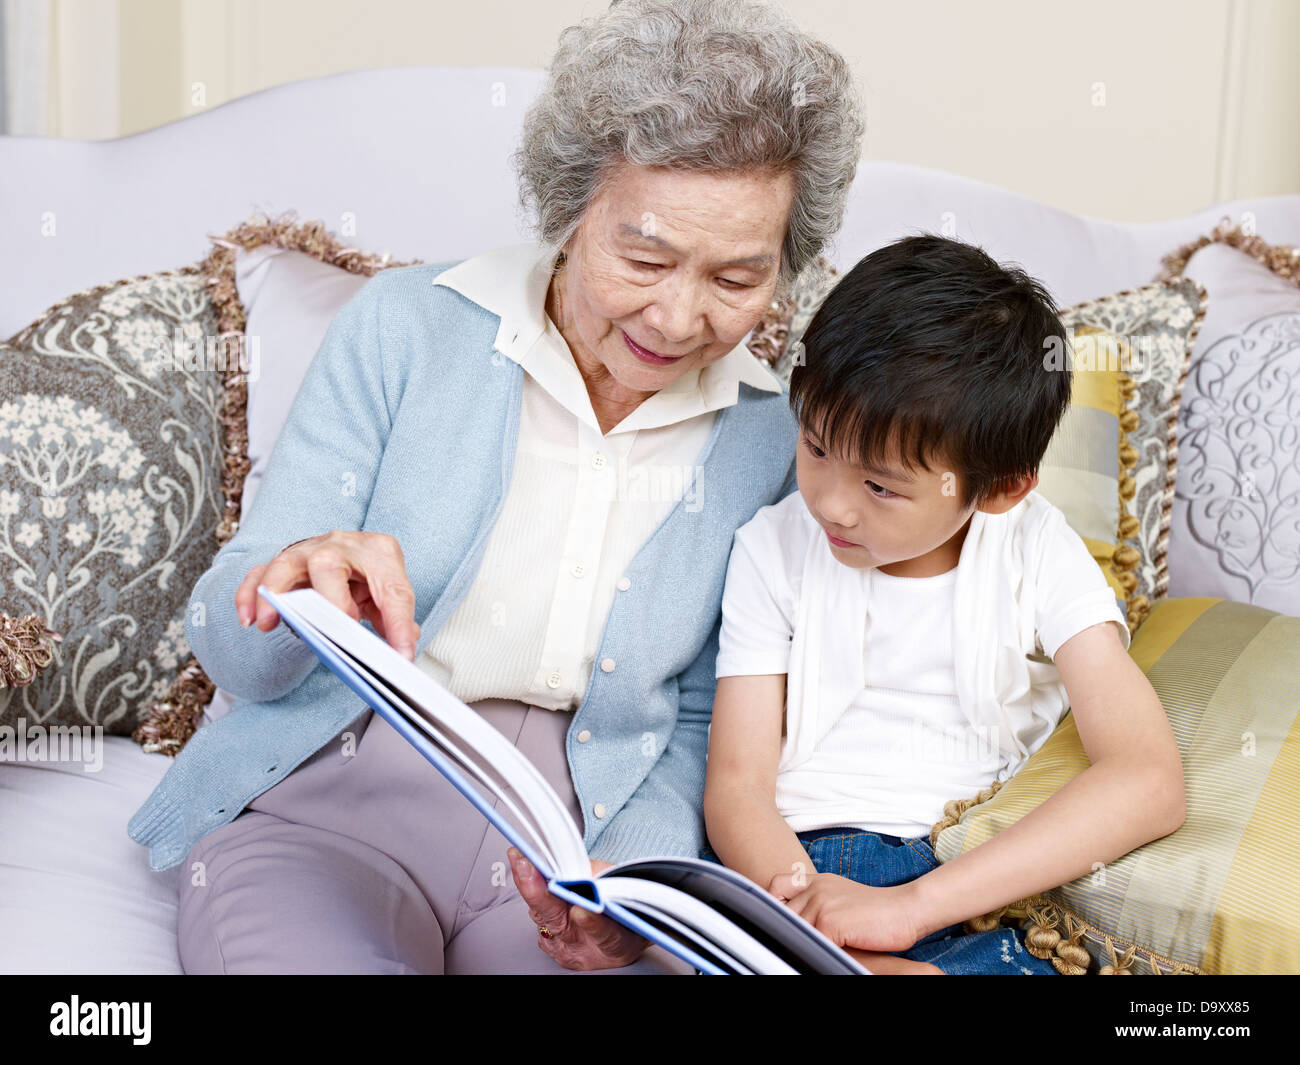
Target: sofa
[{"x": 413, "y": 162}]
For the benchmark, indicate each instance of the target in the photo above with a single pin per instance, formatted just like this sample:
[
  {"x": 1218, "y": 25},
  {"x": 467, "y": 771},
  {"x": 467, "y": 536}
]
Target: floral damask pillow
[
  {"x": 293, "y": 318},
  {"x": 1153, "y": 330},
  {"x": 110, "y": 460}
]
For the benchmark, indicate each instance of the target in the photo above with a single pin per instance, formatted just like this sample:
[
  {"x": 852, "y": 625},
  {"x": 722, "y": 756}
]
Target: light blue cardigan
[{"x": 406, "y": 423}]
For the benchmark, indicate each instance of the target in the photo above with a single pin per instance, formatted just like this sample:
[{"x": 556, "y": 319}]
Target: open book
[{"x": 705, "y": 914}]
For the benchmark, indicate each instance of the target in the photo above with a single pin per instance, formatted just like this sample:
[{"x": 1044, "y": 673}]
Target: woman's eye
[
  {"x": 734, "y": 284},
  {"x": 879, "y": 490},
  {"x": 645, "y": 265}
]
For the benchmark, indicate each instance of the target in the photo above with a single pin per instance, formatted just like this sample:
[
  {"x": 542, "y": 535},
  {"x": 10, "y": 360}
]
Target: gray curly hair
[{"x": 706, "y": 85}]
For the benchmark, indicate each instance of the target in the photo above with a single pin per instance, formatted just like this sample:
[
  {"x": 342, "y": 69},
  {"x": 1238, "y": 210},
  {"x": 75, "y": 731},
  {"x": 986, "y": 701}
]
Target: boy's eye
[
  {"x": 816, "y": 451},
  {"x": 880, "y": 491}
]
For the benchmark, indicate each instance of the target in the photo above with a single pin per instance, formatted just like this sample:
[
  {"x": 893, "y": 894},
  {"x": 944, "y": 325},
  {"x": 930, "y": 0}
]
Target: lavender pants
[{"x": 365, "y": 860}]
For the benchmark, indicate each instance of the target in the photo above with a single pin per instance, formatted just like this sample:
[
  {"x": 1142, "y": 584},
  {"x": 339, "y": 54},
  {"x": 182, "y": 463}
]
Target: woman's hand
[
  {"x": 361, "y": 573},
  {"x": 852, "y": 914},
  {"x": 579, "y": 939}
]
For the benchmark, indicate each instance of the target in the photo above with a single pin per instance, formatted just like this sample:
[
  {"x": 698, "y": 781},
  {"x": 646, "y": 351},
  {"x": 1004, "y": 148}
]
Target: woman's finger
[
  {"x": 609, "y": 938},
  {"x": 330, "y": 570},
  {"x": 543, "y": 907},
  {"x": 390, "y": 588},
  {"x": 246, "y": 596},
  {"x": 284, "y": 573}
]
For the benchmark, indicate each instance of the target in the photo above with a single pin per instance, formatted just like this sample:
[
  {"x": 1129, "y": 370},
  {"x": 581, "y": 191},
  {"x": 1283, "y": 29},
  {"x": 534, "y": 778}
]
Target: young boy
[{"x": 915, "y": 621}]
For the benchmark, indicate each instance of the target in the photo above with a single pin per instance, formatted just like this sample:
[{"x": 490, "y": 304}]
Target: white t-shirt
[{"x": 903, "y": 747}]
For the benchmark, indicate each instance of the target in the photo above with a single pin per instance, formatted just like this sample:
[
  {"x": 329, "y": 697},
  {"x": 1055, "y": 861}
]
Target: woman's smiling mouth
[{"x": 646, "y": 355}]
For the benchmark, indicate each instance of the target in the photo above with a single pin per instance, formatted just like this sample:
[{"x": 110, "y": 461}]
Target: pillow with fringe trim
[
  {"x": 1235, "y": 531},
  {"x": 1217, "y": 895},
  {"x": 173, "y": 718},
  {"x": 1141, "y": 340},
  {"x": 109, "y": 493}
]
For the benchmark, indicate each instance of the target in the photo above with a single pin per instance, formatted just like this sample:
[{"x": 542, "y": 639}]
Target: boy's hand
[
  {"x": 786, "y": 886},
  {"x": 852, "y": 914}
]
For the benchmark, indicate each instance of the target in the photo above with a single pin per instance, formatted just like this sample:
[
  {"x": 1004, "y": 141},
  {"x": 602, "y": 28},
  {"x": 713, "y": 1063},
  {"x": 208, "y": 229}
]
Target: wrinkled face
[
  {"x": 670, "y": 270},
  {"x": 905, "y": 522}
]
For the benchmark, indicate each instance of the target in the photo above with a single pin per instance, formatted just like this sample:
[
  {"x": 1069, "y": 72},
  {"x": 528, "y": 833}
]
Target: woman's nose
[{"x": 676, "y": 313}]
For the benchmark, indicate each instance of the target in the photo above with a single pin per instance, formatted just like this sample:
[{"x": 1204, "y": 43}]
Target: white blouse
[{"x": 580, "y": 503}]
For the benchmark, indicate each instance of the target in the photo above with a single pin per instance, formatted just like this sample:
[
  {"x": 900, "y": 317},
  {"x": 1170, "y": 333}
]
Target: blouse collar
[{"x": 512, "y": 282}]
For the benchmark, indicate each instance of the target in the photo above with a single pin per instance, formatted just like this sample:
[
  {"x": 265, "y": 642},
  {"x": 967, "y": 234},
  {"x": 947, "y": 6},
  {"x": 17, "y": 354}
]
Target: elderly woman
[{"x": 541, "y": 454}]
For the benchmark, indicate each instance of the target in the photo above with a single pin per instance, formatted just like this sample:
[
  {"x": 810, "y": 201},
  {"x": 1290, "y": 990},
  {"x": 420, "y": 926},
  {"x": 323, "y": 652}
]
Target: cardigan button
[
  {"x": 607, "y": 665},
  {"x": 599, "y": 809},
  {"x": 624, "y": 584},
  {"x": 584, "y": 736}
]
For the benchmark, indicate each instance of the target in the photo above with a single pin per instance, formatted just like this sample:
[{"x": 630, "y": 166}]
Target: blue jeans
[{"x": 880, "y": 860}]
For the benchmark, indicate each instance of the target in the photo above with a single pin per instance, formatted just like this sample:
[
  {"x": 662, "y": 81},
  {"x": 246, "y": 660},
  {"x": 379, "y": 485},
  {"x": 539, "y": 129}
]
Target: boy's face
[{"x": 907, "y": 523}]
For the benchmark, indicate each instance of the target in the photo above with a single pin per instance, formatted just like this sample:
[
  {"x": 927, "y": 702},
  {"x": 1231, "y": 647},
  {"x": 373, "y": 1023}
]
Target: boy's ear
[{"x": 1009, "y": 493}]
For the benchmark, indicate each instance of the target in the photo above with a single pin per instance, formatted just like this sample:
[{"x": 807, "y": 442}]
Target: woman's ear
[{"x": 1009, "y": 493}]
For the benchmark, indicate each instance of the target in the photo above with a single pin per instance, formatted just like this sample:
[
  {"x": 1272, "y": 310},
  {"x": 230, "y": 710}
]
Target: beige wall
[{"x": 1124, "y": 109}]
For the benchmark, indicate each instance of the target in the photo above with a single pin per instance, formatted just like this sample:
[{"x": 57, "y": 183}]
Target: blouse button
[
  {"x": 579, "y": 570},
  {"x": 598, "y": 460},
  {"x": 607, "y": 665},
  {"x": 553, "y": 681},
  {"x": 599, "y": 809},
  {"x": 624, "y": 584},
  {"x": 584, "y": 736}
]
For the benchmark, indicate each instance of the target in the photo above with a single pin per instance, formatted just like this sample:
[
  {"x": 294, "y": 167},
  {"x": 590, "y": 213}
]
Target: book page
[
  {"x": 737, "y": 902},
  {"x": 478, "y": 767},
  {"x": 491, "y": 760},
  {"x": 680, "y": 907}
]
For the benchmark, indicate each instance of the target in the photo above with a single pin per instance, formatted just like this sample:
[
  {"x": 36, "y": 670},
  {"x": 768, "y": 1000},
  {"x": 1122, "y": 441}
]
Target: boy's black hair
[{"x": 929, "y": 346}]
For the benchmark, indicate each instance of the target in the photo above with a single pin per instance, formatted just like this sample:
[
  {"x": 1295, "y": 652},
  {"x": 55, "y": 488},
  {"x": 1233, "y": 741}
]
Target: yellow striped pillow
[
  {"x": 1086, "y": 471},
  {"x": 1220, "y": 894}
]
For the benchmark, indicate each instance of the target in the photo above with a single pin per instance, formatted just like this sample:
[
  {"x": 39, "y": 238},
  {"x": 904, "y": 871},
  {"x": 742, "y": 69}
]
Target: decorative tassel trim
[
  {"x": 173, "y": 719},
  {"x": 1281, "y": 259},
  {"x": 1042, "y": 936},
  {"x": 1121, "y": 966},
  {"x": 954, "y": 808},
  {"x": 986, "y": 922},
  {"x": 1127, "y": 558},
  {"x": 1139, "y": 606},
  {"x": 1043, "y": 919},
  {"x": 26, "y": 647},
  {"x": 1171, "y": 445},
  {"x": 1070, "y": 957}
]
